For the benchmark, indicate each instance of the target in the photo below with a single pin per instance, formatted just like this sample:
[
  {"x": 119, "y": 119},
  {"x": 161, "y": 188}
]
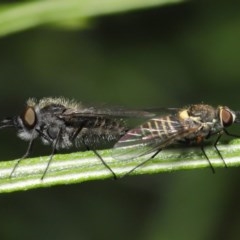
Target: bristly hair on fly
[
  {"x": 64, "y": 123},
  {"x": 70, "y": 103}
]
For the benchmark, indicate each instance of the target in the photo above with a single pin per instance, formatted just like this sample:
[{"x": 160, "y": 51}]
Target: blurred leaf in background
[{"x": 124, "y": 53}]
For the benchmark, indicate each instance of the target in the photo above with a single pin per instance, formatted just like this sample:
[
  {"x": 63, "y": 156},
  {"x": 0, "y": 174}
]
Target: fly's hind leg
[
  {"x": 143, "y": 163},
  {"x": 100, "y": 158},
  {"x": 105, "y": 164},
  {"x": 90, "y": 149}
]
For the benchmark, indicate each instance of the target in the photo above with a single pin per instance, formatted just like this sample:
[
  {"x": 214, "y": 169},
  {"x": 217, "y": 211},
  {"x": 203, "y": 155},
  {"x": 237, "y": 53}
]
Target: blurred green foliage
[{"x": 166, "y": 56}]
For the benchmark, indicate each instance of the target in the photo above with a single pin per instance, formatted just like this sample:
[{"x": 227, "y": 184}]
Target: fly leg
[
  {"x": 54, "y": 144},
  {"x": 231, "y": 134},
  {"x": 95, "y": 152},
  {"x": 218, "y": 152},
  {"x": 215, "y": 146},
  {"x": 101, "y": 159},
  {"x": 142, "y": 163},
  {"x": 29, "y": 149},
  {"x": 204, "y": 153},
  {"x": 105, "y": 164},
  {"x": 76, "y": 134},
  {"x": 217, "y": 140}
]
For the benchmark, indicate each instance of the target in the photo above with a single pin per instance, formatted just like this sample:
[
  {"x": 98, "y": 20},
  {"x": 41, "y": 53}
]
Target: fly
[
  {"x": 190, "y": 125},
  {"x": 63, "y": 124}
]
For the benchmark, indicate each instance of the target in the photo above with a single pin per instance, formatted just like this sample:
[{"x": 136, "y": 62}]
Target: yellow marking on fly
[{"x": 184, "y": 114}]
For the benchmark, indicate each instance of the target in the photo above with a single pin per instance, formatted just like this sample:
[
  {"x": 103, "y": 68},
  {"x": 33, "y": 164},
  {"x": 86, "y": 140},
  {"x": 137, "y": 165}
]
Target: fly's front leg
[
  {"x": 29, "y": 149},
  {"x": 43, "y": 135},
  {"x": 216, "y": 148},
  {"x": 231, "y": 134}
]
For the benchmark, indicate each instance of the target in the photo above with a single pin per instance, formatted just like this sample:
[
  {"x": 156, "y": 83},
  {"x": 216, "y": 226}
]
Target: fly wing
[
  {"x": 150, "y": 137},
  {"x": 108, "y": 112},
  {"x": 100, "y": 128},
  {"x": 88, "y": 117}
]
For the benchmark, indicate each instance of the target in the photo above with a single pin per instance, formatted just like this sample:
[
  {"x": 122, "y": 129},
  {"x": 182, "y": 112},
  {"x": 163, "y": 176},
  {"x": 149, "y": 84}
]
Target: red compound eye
[{"x": 226, "y": 117}]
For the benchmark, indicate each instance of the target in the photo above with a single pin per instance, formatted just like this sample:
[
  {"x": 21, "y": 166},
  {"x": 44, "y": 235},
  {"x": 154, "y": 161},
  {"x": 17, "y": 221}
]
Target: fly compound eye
[
  {"x": 226, "y": 117},
  {"x": 29, "y": 118}
]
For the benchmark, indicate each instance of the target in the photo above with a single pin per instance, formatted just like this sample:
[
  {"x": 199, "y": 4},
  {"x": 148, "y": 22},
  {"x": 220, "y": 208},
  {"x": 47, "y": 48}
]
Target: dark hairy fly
[
  {"x": 63, "y": 124},
  {"x": 189, "y": 125}
]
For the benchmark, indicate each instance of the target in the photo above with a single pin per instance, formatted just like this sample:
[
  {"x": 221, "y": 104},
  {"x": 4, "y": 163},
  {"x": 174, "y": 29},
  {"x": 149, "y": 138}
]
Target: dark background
[{"x": 163, "y": 57}]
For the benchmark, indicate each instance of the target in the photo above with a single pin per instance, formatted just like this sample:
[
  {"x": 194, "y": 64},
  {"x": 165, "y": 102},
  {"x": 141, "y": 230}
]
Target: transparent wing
[
  {"x": 78, "y": 116},
  {"x": 108, "y": 112},
  {"x": 133, "y": 118},
  {"x": 150, "y": 137}
]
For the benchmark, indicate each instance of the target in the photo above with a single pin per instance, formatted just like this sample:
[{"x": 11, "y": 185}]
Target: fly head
[{"x": 24, "y": 123}]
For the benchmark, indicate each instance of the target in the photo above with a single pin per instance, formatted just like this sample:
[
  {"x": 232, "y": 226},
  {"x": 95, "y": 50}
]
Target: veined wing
[
  {"x": 108, "y": 112},
  {"x": 71, "y": 114},
  {"x": 89, "y": 116},
  {"x": 150, "y": 137}
]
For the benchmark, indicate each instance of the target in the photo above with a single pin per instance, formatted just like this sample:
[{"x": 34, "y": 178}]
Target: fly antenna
[{"x": 7, "y": 122}]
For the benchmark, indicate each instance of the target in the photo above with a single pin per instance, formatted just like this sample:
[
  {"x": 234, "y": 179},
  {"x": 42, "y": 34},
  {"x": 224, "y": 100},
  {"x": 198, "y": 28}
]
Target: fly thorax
[{"x": 206, "y": 127}]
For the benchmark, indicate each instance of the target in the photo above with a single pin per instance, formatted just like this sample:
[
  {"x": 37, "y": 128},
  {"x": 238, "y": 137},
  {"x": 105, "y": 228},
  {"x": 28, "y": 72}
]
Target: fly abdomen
[
  {"x": 97, "y": 138},
  {"x": 99, "y": 134}
]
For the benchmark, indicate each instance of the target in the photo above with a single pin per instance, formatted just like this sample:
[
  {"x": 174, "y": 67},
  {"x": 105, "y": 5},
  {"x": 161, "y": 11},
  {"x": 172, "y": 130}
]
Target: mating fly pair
[{"x": 62, "y": 124}]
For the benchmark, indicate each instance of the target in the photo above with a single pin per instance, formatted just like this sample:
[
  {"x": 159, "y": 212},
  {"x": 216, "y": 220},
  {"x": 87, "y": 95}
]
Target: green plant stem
[{"x": 85, "y": 166}]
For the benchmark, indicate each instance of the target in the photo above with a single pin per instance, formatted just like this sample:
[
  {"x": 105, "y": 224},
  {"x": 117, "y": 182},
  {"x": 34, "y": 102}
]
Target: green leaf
[
  {"x": 21, "y": 16},
  {"x": 85, "y": 166}
]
